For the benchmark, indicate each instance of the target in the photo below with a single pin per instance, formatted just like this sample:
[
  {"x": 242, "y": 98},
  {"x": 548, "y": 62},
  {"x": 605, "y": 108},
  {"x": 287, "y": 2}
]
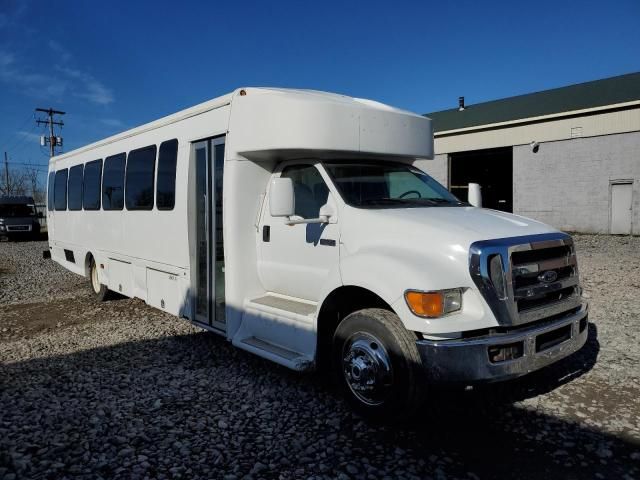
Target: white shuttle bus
[{"x": 301, "y": 226}]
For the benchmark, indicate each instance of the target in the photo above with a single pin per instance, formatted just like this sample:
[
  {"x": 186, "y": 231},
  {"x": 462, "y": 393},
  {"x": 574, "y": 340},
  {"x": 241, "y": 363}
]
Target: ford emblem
[{"x": 548, "y": 276}]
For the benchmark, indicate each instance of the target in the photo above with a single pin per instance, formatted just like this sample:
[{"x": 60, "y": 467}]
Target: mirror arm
[{"x": 297, "y": 221}]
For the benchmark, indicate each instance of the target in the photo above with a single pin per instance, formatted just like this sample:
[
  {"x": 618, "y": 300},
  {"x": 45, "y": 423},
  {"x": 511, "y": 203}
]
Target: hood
[
  {"x": 434, "y": 228},
  {"x": 468, "y": 223},
  {"x": 425, "y": 247}
]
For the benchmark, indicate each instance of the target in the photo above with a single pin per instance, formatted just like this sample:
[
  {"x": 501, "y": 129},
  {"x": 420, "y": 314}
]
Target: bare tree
[
  {"x": 32, "y": 176},
  {"x": 13, "y": 182}
]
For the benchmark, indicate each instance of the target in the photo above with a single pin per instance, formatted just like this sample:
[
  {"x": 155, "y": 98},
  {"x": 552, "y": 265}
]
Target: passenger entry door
[
  {"x": 296, "y": 260},
  {"x": 208, "y": 246}
]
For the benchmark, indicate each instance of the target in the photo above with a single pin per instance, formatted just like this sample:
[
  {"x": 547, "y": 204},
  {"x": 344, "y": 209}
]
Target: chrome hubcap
[
  {"x": 366, "y": 367},
  {"x": 94, "y": 279}
]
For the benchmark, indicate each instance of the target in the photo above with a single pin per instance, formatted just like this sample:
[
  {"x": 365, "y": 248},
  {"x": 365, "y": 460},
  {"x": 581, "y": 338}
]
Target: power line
[
  {"x": 22, "y": 125},
  {"x": 44, "y": 152},
  {"x": 32, "y": 165},
  {"x": 24, "y": 137}
]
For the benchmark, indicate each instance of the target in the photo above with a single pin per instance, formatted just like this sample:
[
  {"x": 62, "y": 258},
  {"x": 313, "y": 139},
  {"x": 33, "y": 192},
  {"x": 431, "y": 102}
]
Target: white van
[{"x": 301, "y": 226}]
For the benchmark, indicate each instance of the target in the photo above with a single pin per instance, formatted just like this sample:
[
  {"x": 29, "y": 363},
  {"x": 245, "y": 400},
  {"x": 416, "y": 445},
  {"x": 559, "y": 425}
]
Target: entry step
[
  {"x": 270, "y": 347},
  {"x": 299, "y": 307},
  {"x": 279, "y": 328}
]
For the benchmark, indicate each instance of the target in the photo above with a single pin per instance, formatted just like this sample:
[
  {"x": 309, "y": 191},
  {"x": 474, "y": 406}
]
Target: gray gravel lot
[{"x": 120, "y": 390}]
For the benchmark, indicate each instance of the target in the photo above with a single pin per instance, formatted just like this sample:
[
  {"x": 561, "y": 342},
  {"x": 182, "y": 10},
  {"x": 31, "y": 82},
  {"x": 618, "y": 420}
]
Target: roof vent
[{"x": 460, "y": 104}]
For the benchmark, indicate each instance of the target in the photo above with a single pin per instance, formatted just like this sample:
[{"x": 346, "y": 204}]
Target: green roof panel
[{"x": 598, "y": 93}]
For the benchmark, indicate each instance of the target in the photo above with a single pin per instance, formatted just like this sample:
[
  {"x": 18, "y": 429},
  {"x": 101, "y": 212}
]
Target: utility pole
[
  {"x": 6, "y": 173},
  {"x": 53, "y": 141}
]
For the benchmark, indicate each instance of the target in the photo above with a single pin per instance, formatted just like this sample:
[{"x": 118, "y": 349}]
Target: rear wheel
[
  {"x": 101, "y": 291},
  {"x": 378, "y": 365}
]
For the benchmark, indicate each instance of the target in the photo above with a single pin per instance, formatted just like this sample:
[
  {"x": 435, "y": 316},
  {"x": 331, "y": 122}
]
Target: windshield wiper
[
  {"x": 383, "y": 200},
  {"x": 435, "y": 201},
  {"x": 443, "y": 201}
]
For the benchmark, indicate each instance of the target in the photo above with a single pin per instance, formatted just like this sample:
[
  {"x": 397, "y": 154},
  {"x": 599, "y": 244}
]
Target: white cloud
[
  {"x": 54, "y": 85},
  {"x": 6, "y": 59},
  {"x": 61, "y": 53},
  {"x": 29, "y": 135},
  {"x": 93, "y": 90},
  {"x": 33, "y": 84}
]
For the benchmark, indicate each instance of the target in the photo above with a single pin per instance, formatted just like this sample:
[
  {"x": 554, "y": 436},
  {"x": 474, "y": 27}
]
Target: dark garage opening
[{"x": 491, "y": 168}]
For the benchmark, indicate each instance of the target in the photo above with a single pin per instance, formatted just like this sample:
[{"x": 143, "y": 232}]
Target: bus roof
[
  {"x": 311, "y": 96},
  {"x": 169, "y": 119}
]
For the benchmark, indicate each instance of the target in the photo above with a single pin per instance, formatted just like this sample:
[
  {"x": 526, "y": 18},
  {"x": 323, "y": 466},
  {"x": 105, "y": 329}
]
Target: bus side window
[
  {"x": 113, "y": 182},
  {"x": 60, "y": 190},
  {"x": 50, "y": 190},
  {"x": 166, "y": 184},
  {"x": 91, "y": 185},
  {"x": 74, "y": 190},
  {"x": 139, "y": 178}
]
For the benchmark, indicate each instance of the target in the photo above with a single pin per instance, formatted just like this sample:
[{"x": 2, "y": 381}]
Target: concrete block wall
[
  {"x": 567, "y": 183},
  {"x": 438, "y": 168}
]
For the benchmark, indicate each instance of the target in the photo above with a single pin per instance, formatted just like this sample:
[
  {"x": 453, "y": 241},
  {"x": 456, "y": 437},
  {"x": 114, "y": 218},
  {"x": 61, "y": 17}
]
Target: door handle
[
  {"x": 328, "y": 242},
  {"x": 266, "y": 233}
]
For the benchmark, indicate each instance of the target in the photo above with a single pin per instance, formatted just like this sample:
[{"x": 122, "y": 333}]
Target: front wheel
[
  {"x": 101, "y": 291},
  {"x": 378, "y": 365}
]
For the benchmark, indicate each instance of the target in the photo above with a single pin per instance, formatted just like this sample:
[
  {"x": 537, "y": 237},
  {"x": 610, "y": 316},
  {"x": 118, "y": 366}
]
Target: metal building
[{"x": 568, "y": 156}]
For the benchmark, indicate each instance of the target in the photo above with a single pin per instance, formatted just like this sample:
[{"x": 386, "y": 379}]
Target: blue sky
[{"x": 114, "y": 65}]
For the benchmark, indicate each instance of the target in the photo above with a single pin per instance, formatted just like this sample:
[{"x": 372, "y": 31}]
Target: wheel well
[
  {"x": 87, "y": 264},
  {"x": 338, "y": 304}
]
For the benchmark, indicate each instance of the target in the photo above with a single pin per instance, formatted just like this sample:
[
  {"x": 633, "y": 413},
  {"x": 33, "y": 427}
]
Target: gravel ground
[
  {"x": 25, "y": 276},
  {"x": 120, "y": 390}
]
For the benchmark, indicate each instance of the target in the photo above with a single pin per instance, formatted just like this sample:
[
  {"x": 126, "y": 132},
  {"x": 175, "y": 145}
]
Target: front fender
[{"x": 388, "y": 271}]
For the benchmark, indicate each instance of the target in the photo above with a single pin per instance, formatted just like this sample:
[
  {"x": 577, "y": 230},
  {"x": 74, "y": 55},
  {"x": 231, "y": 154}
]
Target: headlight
[
  {"x": 434, "y": 304},
  {"x": 1, "y": 228},
  {"x": 496, "y": 273}
]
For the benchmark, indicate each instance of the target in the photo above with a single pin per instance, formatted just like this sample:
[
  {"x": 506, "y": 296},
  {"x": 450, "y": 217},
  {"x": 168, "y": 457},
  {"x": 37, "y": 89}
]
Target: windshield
[
  {"x": 17, "y": 210},
  {"x": 375, "y": 184}
]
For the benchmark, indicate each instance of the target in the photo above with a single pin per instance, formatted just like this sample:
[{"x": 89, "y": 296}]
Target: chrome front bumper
[{"x": 467, "y": 360}]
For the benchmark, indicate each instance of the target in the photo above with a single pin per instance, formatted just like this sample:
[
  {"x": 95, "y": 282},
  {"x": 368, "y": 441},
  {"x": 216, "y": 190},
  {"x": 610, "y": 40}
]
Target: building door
[
  {"x": 208, "y": 277},
  {"x": 621, "y": 205},
  {"x": 491, "y": 168}
]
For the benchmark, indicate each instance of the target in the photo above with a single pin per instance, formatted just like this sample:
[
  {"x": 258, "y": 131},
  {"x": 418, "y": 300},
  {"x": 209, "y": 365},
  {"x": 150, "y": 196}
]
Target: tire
[
  {"x": 378, "y": 366},
  {"x": 100, "y": 291}
]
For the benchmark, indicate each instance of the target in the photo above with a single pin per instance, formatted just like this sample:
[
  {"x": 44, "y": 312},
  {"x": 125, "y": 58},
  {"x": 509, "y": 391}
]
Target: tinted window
[
  {"x": 8, "y": 210},
  {"x": 75, "y": 187},
  {"x": 113, "y": 182},
  {"x": 140, "y": 171},
  {"x": 50, "y": 187},
  {"x": 166, "y": 189},
  {"x": 309, "y": 189},
  {"x": 92, "y": 180},
  {"x": 60, "y": 190}
]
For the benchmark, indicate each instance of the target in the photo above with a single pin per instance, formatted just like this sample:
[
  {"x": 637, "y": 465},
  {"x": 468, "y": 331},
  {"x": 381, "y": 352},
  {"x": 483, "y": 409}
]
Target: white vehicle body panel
[{"x": 274, "y": 291}]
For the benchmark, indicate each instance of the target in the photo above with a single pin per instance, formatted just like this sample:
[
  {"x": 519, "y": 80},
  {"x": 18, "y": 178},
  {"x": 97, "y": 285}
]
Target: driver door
[{"x": 296, "y": 260}]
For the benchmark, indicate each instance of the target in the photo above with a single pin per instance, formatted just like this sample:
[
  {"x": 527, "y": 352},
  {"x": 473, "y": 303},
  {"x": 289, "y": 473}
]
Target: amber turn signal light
[
  {"x": 425, "y": 304},
  {"x": 434, "y": 304}
]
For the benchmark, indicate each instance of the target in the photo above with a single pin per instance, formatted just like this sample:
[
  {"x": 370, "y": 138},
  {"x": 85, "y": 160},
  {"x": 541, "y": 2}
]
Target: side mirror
[
  {"x": 475, "y": 195},
  {"x": 282, "y": 201}
]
